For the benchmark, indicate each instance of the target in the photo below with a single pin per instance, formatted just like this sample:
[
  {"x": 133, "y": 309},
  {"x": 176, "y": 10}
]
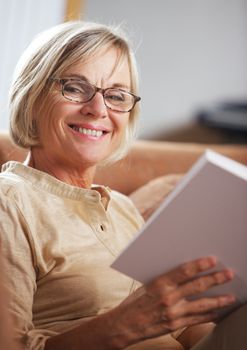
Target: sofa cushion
[{"x": 148, "y": 197}]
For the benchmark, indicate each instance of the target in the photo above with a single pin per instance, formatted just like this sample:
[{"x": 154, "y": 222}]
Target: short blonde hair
[{"x": 50, "y": 54}]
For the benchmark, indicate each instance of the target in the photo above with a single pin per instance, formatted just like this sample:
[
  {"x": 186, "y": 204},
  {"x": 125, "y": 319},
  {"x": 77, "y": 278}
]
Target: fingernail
[
  {"x": 212, "y": 261},
  {"x": 229, "y": 299},
  {"x": 229, "y": 274},
  {"x": 206, "y": 262}
]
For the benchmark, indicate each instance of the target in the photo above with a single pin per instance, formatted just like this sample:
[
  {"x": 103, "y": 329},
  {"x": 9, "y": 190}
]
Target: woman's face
[{"x": 66, "y": 129}]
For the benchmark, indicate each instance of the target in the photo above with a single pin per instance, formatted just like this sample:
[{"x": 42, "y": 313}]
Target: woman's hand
[
  {"x": 152, "y": 310},
  {"x": 162, "y": 306}
]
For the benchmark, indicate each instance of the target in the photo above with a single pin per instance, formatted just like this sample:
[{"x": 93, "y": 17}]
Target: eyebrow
[{"x": 82, "y": 77}]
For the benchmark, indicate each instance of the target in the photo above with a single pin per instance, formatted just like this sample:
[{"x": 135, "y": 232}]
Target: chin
[{"x": 93, "y": 160}]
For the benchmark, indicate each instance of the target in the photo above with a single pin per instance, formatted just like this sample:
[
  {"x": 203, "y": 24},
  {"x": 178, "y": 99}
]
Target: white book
[{"x": 206, "y": 214}]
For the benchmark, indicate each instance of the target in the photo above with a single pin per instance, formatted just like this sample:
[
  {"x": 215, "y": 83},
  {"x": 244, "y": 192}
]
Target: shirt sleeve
[{"x": 19, "y": 264}]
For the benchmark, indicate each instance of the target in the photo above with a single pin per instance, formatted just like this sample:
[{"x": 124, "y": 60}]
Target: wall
[
  {"x": 190, "y": 52},
  {"x": 20, "y": 20}
]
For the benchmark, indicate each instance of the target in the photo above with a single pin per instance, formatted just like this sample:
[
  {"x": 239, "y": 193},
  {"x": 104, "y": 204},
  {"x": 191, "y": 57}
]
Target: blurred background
[{"x": 192, "y": 58}]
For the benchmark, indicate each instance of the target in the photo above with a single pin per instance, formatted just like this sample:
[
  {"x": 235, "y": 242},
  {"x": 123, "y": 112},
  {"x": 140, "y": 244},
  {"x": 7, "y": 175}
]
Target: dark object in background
[
  {"x": 229, "y": 117},
  {"x": 222, "y": 123}
]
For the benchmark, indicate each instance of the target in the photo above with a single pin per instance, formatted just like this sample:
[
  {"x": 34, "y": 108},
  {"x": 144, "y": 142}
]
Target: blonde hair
[{"x": 50, "y": 54}]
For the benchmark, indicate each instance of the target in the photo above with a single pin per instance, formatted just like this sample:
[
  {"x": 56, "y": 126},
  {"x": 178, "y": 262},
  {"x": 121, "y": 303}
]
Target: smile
[{"x": 89, "y": 132}]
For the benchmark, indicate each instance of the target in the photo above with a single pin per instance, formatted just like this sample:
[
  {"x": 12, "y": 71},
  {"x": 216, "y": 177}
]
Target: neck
[{"x": 79, "y": 176}]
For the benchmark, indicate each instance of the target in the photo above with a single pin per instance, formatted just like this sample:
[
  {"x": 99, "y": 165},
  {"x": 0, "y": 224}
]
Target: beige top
[{"x": 58, "y": 242}]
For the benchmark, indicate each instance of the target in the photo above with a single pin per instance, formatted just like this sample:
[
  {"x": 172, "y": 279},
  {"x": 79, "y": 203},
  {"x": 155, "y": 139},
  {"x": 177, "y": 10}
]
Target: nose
[{"x": 95, "y": 107}]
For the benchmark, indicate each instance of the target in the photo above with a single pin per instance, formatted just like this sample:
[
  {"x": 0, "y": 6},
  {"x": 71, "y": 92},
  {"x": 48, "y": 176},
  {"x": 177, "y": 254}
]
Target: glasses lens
[
  {"x": 118, "y": 100},
  {"x": 78, "y": 91}
]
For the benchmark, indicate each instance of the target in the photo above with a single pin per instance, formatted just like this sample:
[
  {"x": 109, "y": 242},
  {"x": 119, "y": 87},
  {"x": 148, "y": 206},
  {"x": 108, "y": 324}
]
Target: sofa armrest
[
  {"x": 145, "y": 161},
  {"x": 150, "y": 159},
  {"x": 8, "y": 150}
]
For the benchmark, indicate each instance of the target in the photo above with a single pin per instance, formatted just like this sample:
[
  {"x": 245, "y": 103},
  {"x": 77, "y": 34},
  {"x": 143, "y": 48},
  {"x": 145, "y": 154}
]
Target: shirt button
[{"x": 102, "y": 227}]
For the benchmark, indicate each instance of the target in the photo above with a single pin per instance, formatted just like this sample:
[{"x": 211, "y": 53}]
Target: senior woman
[{"x": 74, "y": 105}]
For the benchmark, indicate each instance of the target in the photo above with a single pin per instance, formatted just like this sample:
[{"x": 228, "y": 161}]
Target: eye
[
  {"x": 115, "y": 96},
  {"x": 71, "y": 88},
  {"x": 75, "y": 87}
]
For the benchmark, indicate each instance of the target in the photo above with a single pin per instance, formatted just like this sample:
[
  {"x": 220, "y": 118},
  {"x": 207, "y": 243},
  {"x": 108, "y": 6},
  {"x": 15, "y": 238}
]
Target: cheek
[
  {"x": 121, "y": 122},
  {"x": 49, "y": 121}
]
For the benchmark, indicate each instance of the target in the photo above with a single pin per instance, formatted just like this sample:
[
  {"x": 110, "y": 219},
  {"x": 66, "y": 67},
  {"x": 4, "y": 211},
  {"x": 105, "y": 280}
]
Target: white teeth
[{"x": 95, "y": 133}]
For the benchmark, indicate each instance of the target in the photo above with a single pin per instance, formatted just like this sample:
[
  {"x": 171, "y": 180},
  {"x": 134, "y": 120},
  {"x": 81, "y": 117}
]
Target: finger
[
  {"x": 189, "y": 270},
  {"x": 185, "y": 272},
  {"x": 182, "y": 322},
  {"x": 199, "y": 285},
  {"x": 197, "y": 307},
  {"x": 206, "y": 305},
  {"x": 196, "y": 286}
]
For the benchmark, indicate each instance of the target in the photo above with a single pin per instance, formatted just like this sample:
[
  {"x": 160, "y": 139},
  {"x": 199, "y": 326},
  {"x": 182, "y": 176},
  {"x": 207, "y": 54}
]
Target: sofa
[{"x": 150, "y": 170}]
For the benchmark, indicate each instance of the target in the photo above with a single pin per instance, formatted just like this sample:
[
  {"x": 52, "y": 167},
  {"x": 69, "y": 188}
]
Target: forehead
[{"x": 107, "y": 67}]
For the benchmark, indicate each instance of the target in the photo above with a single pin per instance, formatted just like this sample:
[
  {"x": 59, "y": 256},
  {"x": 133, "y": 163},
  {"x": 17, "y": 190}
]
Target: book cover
[{"x": 206, "y": 214}]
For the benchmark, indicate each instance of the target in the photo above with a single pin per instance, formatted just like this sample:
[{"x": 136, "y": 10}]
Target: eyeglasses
[{"x": 80, "y": 91}]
